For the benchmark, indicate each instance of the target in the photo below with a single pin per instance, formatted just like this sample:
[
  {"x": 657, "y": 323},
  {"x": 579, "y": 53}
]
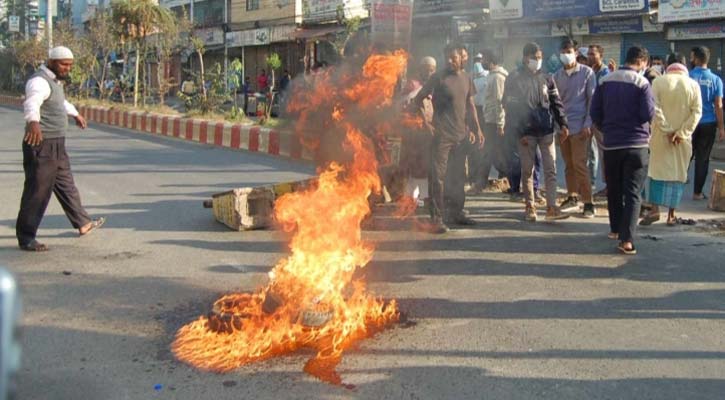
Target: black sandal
[
  {"x": 34, "y": 246},
  {"x": 628, "y": 252},
  {"x": 95, "y": 224}
]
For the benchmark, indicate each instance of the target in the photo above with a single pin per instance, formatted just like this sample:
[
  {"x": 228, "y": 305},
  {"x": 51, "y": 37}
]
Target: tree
[
  {"x": 30, "y": 53},
  {"x": 199, "y": 48},
  {"x": 135, "y": 20},
  {"x": 352, "y": 25},
  {"x": 104, "y": 43},
  {"x": 84, "y": 58},
  {"x": 273, "y": 63}
]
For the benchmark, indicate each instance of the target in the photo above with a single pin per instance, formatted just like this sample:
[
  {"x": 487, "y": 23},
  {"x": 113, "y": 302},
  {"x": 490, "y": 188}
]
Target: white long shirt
[{"x": 37, "y": 90}]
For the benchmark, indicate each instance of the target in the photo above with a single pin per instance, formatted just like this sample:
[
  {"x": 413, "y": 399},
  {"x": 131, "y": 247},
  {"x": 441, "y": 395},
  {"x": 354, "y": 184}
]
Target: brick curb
[{"x": 253, "y": 138}]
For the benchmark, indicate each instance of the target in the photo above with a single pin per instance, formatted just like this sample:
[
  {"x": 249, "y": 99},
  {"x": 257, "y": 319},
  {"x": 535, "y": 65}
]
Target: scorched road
[{"x": 507, "y": 310}]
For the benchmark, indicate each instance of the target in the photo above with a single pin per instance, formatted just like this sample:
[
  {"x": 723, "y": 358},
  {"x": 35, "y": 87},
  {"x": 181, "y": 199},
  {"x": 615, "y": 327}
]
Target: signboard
[
  {"x": 428, "y": 8},
  {"x": 534, "y": 30},
  {"x": 562, "y": 9},
  {"x": 391, "y": 22},
  {"x": 696, "y": 31},
  {"x": 327, "y": 10},
  {"x": 580, "y": 26},
  {"x": 210, "y": 36},
  {"x": 13, "y": 23},
  {"x": 506, "y": 9},
  {"x": 619, "y": 25},
  {"x": 281, "y": 33},
  {"x": 680, "y": 10},
  {"x": 466, "y": 28},
  {"x": 251, "y": 37}
]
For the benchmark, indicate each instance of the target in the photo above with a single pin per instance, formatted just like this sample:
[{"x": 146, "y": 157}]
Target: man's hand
[
  {"x": 587, "y": 132},
  {"x": 612, "y": 65},
  {"x": 524, "y": 141},
  {"x": 34, "y": 136},
  {"x": 481, "y": 139},
  {"x": 499, "y": 130},
  {"x": 471, "y": 137},
  {"x": 721, "y": 137},
  {"x": 80, "y": 121},
  {"x": 564, "y": 134}
]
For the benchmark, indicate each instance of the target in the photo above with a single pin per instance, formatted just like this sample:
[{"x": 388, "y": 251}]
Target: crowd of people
[{"x": 644, "y": 122}]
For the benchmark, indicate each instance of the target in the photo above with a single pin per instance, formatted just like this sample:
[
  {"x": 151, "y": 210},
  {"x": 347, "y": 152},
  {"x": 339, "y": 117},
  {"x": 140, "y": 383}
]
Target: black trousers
[
  {"x": 47, "y": 170},
  {"x": 492, "y": 154},
  {"x": 626, "y": 171},
  {"x": 702, "y": 141},
  {"x": 447, "y": 178}
]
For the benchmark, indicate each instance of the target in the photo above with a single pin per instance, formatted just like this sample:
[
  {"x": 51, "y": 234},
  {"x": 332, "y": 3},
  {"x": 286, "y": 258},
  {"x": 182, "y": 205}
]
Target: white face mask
[
  {"x": 534, "y": 64},
  {"x": 567, "y": 58}
]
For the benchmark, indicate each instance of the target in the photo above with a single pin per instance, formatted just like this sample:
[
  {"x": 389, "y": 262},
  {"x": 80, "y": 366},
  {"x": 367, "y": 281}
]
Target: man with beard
[
  {"x": 453, "y": 111},
  {"x": 45, "y": 161}
]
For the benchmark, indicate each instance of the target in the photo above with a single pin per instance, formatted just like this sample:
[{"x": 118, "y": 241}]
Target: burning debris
[{"x": 312, "y": 299}]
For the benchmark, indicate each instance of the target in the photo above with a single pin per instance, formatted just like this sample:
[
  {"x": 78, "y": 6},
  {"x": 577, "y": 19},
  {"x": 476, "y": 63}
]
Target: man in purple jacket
[{"x": 622, "y": 109}]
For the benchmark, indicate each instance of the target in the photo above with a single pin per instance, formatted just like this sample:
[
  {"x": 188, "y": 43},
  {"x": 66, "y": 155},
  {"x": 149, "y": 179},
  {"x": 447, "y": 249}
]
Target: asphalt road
[{"x": 507, "y": 310}]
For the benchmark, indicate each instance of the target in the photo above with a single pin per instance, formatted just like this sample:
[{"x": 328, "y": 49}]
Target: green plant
[
  {"x": 273, "y": 63},
  {"x": 207, "y": 101}
]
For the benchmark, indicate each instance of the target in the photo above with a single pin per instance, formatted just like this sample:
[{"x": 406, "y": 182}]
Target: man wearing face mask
[
  {"x": 533, "y": 105},
  {"x": 622, "y": 109},
  {"x": 576, "y": 84},
  {"x": 454, "y": 121},
  {"x": 45, "y": 161}
]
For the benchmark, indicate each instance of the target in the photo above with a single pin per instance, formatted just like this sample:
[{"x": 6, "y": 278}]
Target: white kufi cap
[{"x": 60, "y": 53}]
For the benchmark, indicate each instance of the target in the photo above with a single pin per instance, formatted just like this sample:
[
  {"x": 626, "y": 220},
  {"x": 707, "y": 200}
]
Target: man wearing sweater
[
  {"x": 622, "y": 109},
  {"x": 45, "y": 161}
]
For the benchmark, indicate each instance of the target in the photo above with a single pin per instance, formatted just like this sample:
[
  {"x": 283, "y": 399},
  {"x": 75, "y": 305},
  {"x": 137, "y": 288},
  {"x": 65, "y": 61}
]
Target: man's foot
[
  {"x": 601, "y": 193},
  {"x": 539, "y": 197},
  {"x": 699, "y": 196},
  {"x": 34, "y": 246},
  {"x": 589, "y": 211},
  {"x": 530, "y": 214},
  {"x": 437, "y": 226},
  {"x": 461, "y": 219},
  {"x": 627, "y": 248},
  {"x": 555, "y": 214},
  {"x": 570, "y": 204},
  {"x": 91, "y": 226}
]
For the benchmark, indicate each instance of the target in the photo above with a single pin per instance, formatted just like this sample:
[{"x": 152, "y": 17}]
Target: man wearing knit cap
[{"x": 45, "y": 161}]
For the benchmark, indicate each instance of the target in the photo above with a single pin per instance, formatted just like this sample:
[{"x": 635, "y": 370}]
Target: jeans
[
  {"x": 702, "y": 141},
  {"x": 626, "y": 171},
  {"x": 511, "y": 144},
  {"x": 528, "y": 152}
]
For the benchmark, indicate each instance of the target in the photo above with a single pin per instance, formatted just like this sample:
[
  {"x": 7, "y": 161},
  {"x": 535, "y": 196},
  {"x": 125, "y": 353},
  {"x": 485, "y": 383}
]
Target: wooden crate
[
  {"x": 244, "y": 209},
  {"x": 717, "y": 193}
]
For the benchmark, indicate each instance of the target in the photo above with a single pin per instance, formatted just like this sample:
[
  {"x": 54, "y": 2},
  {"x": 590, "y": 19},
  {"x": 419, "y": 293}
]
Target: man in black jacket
[{"x": 532, "y": 105}]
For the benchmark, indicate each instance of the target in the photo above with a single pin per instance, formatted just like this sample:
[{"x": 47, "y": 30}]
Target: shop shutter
[{"x": 655, "y": 43}]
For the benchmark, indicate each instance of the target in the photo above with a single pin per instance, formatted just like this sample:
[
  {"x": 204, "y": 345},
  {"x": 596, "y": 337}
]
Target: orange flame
[{"x": 312, "y": 299}]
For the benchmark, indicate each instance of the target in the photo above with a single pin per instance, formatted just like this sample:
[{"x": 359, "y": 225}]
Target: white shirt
[{"x": 37, "y": 90}]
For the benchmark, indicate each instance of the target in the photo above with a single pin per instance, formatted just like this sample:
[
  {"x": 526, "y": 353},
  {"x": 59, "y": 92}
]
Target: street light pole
[
  {"x": 49, "y": 23},
  {"x": 226, "y": 48}
]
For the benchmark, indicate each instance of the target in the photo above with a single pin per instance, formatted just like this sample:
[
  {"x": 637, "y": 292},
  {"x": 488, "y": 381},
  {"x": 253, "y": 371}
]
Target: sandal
[
  {"x": 672, "y": 222},
  {"x": 95, "y": 224},
  {"x": 649, "y": 219},
  {"x": 685, "y": 221},
  {"x": 34, "y": 246},
  {"x": 628, "y": 252}
]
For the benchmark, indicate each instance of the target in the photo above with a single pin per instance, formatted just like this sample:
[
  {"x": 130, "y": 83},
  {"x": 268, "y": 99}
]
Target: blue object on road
[{"x": 158, "y": 387}]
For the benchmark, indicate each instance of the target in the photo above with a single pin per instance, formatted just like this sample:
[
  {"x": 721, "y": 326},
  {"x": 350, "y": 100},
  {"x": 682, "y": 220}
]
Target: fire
[{"x": 312, "y": 298}]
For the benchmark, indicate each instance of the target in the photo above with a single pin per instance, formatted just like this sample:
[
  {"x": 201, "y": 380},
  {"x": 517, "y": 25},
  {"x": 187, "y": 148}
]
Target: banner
[
  {"x": 563, "y": 9},
  {"x": 251, "y": 37},
  {"x": 391, "y": 22},
  {"x": 680, "y": 10},
  {"x": 327, "y": 10},
  {"x": 13, "y": 23},
  {"x": 620, "y": 25},
  {"x": 696, "y": 31},
  {"x": 506, "y": 9}
]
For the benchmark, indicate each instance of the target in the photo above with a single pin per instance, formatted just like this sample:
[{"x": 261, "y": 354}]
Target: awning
[{"x": 319, "y": 32}]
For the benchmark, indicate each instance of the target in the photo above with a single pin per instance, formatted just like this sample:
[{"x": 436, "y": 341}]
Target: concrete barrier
[{"x": 221, "y": 134}]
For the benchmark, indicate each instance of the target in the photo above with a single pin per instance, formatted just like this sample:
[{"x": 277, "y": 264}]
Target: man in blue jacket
[{"x": 622, "y": 109}]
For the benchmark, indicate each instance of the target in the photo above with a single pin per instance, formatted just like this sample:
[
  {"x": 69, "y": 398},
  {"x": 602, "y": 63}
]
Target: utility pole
[
  {"x": 226, "y": 48},
  {"x": 49, "y": 23}
]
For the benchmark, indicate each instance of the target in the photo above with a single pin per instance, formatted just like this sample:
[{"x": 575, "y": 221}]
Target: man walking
[
  {"x": 711, "y": 123},
  {"x": 622, "y": 109},
  {"x": 532, "y": 106},
  {"x": 452, "y": 90},
  {"x": 478, "y": 174},
  {"x": 576, "y": 84},
  {"x": 45, "y": 161}
]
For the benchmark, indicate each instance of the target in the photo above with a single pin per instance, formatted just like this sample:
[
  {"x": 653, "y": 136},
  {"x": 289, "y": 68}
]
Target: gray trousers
[{"x": 548, "y": 159}]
